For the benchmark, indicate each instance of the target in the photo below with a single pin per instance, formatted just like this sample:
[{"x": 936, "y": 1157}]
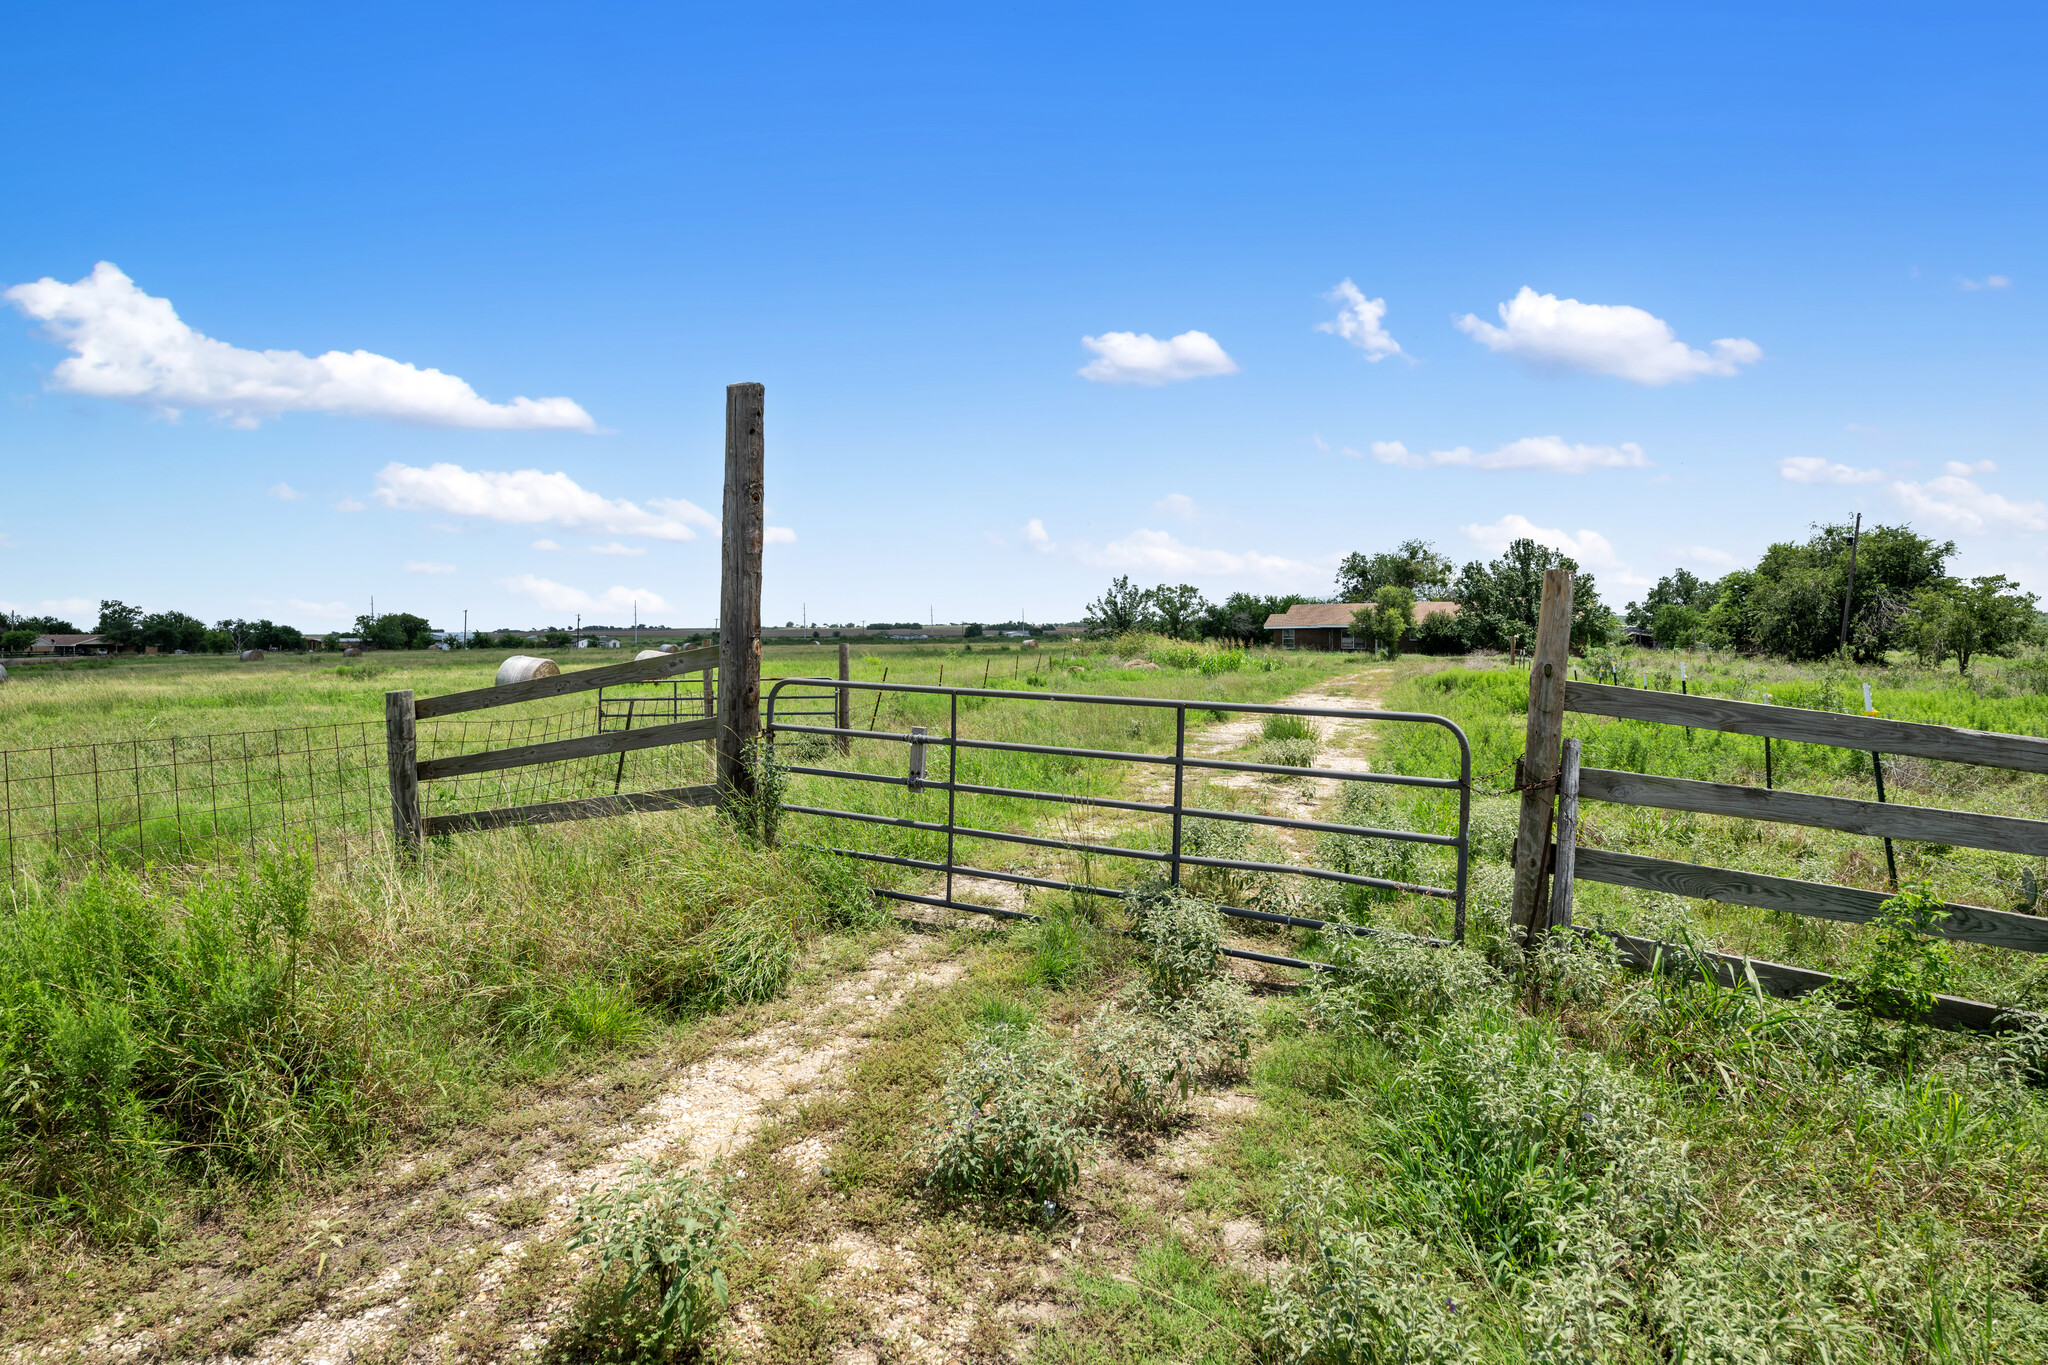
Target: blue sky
[{"x": 1782, "y": 263}]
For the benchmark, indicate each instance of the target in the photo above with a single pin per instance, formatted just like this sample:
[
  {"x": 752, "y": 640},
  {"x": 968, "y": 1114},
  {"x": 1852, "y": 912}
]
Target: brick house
[{"x": 1326, "y": 626}]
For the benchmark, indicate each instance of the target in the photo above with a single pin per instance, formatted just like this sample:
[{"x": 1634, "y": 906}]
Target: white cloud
[
  {"x": 546, "y": 545},
  {"x": 1358, "y": 322},
  {"x": 1958, "y": 468},
  {"x": 70, "y": 608},
  {"x": 614, "y": 548},
  {"x": 1593, "y": 551},
  {"x": 1176, "y": 505},
  {"x": 778, "y": 535},
  {"x": 1550, "y": 454},
  {"x": 1141, "y": 358},
  {"x": 1814, "y": 469},
  {"x": 349, "y": 505},
  {"x": 529, "y": 497},
  {"x": 1036, "y": 537},
  {"x": 1960, "y": 504},
  {"x": 1988, "y": 282},
  {"x": 323, "y": 611},
  {"x": 1317, "y": 438},
  {"x": 284, "y": 492},
  {"x": 1707, "y": 557},
  {"x": 8, "y": 542},
  {"x": 1550, "y": 333},
  {"x": 427, "y": 566},
  {"x": 561, "y": 597},
  {"x": 1157, "y": 554},
  {"x": 131, "y": 346}
]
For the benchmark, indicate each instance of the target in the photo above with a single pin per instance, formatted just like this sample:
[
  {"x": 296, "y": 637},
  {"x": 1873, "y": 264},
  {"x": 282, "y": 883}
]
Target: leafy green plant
[
  {"x": 664, "y": 1233},
  {"x": 1145, "y": 1054},
  {"x": 1359, "y": 1294},
  {"x": 1387, "y": 986},
  {"x": 1007, "y": 1123},
  {"x": 757, "y": 811},
  {"x": 1909, "y": 965},
  {"x": 1182, "y": 934}
]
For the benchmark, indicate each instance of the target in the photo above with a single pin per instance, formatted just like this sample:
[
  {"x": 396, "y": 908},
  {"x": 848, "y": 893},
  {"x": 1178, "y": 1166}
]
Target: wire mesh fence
[
  {"x": 192, "y": 798},
  {"x": 199, "y": 799}
]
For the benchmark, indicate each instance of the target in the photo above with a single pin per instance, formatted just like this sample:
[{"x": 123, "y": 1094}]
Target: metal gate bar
[{"x": 776, "y": 723}]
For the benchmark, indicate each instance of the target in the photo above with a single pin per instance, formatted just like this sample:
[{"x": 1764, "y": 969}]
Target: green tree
[
  {"x": 172, "y": 630},
  {"x": 1120, "y": 610},
  {"x": 120, "y": 625},
  {"x": 1178, "y": 608},
  {"x": 1500, "y": 601},
  {"x": 1987, "y": 615},
  {"x": 973, "y": 631},
  {"x": 1676, "y": 626},
  {"x": 1681, "y": 588},
  {"x": 396, "y": 630},
  {"x": 14, "y": 642},
  {"x": 1387, "y": 620},
  {"x": 43, "y": 625},
  {"x": 1243, "y": 615},
  {"x": 1414, "y": 565},
  {"x": 1790, "y": 604}
]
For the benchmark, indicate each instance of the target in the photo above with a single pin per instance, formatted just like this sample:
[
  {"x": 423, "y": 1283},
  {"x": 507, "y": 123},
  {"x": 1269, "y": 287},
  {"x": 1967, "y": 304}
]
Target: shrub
[
  {"x": 1145, "y": 1054},
  {"x": 1364, "y": 1294},
  {"x": 1387, "y": 985},
  {"x": 1183, "y": 935},
  {"x": 1007, "y": 1123},
  {"x": 666, "y": 1233}
]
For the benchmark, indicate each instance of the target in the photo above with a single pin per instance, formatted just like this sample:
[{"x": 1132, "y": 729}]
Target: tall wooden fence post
[
  {"x": 1537, "y": 774},
  {"x": 739, "y": 614},
  {"x": 402, "y": 756},
  {"x": 844, "y": 717}
]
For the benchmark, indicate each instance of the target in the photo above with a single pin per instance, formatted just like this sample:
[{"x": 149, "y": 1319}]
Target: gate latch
[{"x": 917, "y": 734}]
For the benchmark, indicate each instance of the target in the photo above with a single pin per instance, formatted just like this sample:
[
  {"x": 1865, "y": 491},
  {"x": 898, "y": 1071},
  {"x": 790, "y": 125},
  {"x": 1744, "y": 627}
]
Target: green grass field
[{"x": 1415, "y": 1160}]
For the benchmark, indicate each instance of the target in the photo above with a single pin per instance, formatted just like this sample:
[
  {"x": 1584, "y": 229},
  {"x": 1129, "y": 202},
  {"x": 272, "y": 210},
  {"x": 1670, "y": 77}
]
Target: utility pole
[{"x": 1849, "y": 593}]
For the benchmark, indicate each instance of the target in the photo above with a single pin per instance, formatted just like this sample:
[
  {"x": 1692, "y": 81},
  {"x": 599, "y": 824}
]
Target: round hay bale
[
  {"x": 351, "y": 653},
  {"x": 3, "y": 673},
  {"x": 671, "y": 648},
  {"x": 1029, "y": 644},
  {"x": 525, "y": 668},
  {"x": 650, "y": 654},
  {"x": 250, "y": 656}
]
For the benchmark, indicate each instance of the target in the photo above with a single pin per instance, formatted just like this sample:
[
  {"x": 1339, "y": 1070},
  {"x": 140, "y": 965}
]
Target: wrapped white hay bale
[
  {"x": 250, "y": 656},
  {"x": 1029, "y": 644},
  {"x": 525, "y": 668},
  {"x": 3, "y": 673},
  {"x": 650, "y": 654}
]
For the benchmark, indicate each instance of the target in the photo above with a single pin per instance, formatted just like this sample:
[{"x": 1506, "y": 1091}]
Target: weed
[
  {"x": 661, "y": 1238},
  {"x": 1007, "y": 1123},
  {"x": 1389, "y": 987},
  {"x": 1183, "y": 934},
  {"x": 1145, "y": 1054}
]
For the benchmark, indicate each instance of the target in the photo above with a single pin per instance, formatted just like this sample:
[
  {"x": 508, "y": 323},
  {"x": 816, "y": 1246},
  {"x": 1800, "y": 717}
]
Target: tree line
[
  {"x": 1498, "y": 600},
  {"x": 1793, "y": 603},
  {"x": 1805, "y": 601}
]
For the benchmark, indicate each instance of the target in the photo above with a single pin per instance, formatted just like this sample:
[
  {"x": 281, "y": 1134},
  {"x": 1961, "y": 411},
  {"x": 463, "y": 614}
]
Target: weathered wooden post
[
  {"x": 402, "y": 758},
  {"x": 1567, "y": 841},
  {"x": 844, "y": 717},
  {"x": 739, "y": 614},
  {"x": 1537, "y": 773}
]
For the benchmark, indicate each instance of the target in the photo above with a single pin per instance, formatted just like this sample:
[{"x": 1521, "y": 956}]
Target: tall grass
[{"x": 163, "y": 1043}]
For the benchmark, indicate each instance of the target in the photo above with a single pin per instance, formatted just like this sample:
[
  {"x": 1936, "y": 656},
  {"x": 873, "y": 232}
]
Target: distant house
[
  {"x": 1326, "y": 626},
  {"x": 69, "y": 644}
]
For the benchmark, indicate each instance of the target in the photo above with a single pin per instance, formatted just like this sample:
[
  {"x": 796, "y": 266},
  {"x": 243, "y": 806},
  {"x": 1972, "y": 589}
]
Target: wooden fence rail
[{"x": 1553, "y": 784}]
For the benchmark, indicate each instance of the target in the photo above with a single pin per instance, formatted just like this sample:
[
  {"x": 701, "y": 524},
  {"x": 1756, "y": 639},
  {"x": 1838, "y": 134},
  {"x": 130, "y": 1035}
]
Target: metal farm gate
[{"x": 813, "y": 695}]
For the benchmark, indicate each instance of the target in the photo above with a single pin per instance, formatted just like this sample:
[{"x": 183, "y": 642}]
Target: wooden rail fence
[{"x": 1553, "y": 784}]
